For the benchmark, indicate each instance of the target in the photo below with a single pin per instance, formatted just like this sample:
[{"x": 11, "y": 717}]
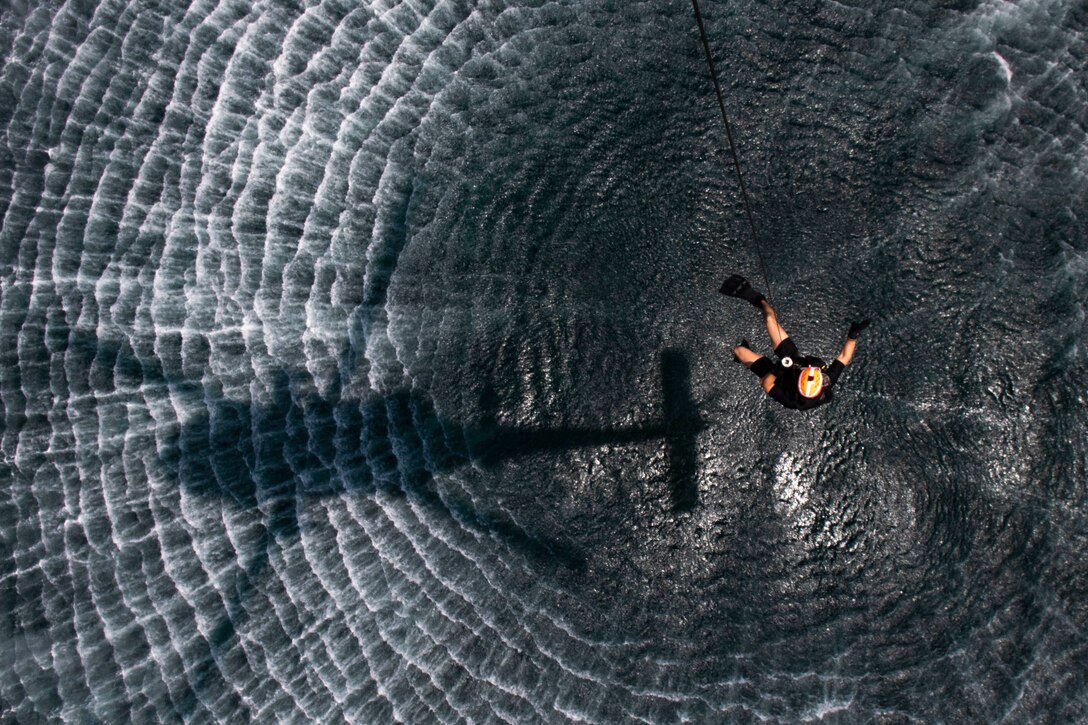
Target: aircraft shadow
[{"x": 299, "y": 444}]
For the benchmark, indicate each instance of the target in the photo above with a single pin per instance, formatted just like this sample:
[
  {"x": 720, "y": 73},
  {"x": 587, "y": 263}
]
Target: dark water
[{"x": 365, "y": 363}]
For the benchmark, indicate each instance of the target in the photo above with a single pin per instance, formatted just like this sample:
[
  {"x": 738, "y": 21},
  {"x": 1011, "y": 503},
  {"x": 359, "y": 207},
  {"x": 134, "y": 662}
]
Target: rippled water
[{"x": 365, "y": 362}]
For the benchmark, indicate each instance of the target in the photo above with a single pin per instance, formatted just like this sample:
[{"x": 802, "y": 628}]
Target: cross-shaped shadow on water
[{"x": 300, "y": 444}]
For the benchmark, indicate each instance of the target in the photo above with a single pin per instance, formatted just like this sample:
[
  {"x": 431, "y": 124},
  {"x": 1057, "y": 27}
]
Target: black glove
[{"x": 856, "y": 328}]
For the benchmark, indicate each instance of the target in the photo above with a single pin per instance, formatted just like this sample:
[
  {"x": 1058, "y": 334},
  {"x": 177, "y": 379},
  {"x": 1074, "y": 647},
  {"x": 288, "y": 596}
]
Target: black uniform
[{"x": 785, "y": 389}]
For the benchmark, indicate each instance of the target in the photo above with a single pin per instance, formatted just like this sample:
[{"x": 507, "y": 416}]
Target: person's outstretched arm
[
  {"x": 851, "y": 343},
  {"x": 847, "y": 353}
]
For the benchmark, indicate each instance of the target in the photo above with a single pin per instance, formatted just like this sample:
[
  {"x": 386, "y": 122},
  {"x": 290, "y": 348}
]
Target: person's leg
[
  {"x": 774, "y": 329},
  {"x": 761, "y": 366},
  {"x": 745, "y": 356},
  {"x": 786, "y": 349},
  {"x": 763, "y": 369},
  {"x": 758, "y": 364}
]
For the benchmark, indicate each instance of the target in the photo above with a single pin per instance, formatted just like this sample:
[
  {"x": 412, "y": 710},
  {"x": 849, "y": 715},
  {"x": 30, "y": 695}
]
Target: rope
[{"x": 733, "y": 151}]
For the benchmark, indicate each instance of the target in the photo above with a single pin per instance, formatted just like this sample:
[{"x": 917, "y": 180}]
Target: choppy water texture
[{"x": 365, "y": 362}]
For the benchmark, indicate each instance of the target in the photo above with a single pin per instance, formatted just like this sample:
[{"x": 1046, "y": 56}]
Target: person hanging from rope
[
  {"x": 795, "y": 381},
  {"x": 800, "y": 382}
]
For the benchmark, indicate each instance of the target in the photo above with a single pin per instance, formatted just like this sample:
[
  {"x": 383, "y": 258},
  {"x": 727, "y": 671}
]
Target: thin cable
[{"x": 733, "y": 151}]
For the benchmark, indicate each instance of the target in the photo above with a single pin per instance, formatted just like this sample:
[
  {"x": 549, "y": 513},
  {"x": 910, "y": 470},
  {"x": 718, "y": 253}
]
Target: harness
[{"x": 805, "y": 361}]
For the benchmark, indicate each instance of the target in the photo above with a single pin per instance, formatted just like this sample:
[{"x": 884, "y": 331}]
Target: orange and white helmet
[{"x": 811, "y": 381}]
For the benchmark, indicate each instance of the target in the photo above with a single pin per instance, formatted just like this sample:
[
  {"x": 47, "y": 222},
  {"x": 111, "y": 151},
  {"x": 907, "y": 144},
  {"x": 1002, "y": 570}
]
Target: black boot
[{"x": 737, "y": 286}]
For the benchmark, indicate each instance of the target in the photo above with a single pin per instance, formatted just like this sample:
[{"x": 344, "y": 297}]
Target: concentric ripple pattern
[{"x": 363, "y": 362}]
